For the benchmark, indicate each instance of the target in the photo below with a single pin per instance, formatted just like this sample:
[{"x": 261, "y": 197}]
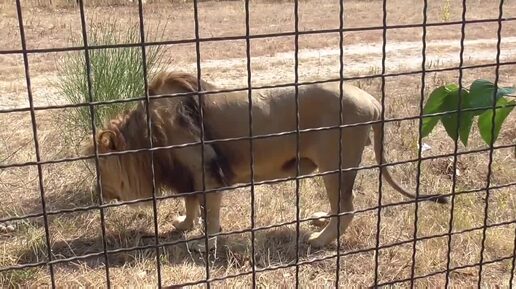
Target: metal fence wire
[{"x": 158, "y": 245}]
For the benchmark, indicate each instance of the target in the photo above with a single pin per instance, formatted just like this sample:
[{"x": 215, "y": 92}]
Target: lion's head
[{"x": 125, "y": 176}]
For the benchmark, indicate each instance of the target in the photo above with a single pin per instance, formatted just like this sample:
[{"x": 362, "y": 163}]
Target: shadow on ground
[
  {"x": 129, "y": 246},
  {"x": 174, "y": 249}
]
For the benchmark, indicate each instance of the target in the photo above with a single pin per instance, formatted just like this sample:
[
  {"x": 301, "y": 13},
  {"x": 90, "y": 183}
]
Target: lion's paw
[
  {"x": 315, "y": 240},
  {"x": 200, "y": 245},
  {"x": 180, "y": 223},
  {"x": 320, "y": 221}
]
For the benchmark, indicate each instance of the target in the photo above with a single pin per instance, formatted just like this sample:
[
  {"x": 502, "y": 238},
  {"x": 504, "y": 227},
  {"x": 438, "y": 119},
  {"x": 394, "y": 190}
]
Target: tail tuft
[
  {"x": 437, "y": 198},
  {"x": 442, "y": 200}
]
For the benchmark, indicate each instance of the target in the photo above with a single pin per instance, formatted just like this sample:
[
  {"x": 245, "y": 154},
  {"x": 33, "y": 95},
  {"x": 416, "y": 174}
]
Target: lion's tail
[{"x": 380, "y": 158}]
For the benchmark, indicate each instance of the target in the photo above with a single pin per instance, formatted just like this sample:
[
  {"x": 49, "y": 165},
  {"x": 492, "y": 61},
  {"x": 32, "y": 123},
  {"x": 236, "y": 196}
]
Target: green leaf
[
  {"x": 428, "y": 125},
  {"x": 466, "y": 121},
  {"x": 481, "y": 94},
  {"x": 433, "y": 105},
  {"x": 451, "y": 121},
  {"x": 485, "y": 121}
]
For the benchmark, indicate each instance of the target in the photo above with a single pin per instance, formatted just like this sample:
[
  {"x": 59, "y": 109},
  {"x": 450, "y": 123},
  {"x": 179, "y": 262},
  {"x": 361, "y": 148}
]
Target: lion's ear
[{"x": 108, "y": 141}]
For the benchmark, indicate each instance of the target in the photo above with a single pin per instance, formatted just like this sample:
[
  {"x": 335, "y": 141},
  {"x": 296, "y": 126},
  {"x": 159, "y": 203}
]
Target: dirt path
[
  {"x": 362, "y": 59},
  {"x": 359, "y": 59}
]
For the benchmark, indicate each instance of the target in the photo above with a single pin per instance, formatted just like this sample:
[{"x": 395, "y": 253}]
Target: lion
[{"x": 176, "y": 121}]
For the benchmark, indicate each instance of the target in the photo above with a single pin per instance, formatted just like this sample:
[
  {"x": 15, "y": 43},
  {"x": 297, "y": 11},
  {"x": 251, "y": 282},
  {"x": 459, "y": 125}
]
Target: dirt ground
[{"x": 68, "y": 185}]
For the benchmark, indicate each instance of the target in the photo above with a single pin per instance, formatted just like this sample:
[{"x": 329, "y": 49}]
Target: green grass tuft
[{"x": 116, "y": 73}]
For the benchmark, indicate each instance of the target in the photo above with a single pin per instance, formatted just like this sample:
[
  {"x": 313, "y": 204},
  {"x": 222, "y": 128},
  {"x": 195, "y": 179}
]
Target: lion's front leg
[
  {"x": 195, "y": 164},
  {"x": 213, "y": 203},
  {"x": 187, "y": 221}
]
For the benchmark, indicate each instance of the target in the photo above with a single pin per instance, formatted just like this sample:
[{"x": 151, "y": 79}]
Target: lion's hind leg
[
  {"x": 326, "y": 156},
  {"x": 334, "y": 227}
]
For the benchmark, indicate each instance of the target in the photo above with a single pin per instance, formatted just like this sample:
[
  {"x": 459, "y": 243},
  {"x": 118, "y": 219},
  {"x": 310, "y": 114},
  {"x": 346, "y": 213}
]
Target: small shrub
[{"x": 116, "y": 73}]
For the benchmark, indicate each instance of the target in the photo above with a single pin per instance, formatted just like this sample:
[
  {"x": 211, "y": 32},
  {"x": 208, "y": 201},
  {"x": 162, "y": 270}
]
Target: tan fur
[{"x": 176, "y": 121}]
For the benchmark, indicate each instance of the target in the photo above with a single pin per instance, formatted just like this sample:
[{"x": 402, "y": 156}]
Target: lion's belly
[{"x": 273, "y": 157}]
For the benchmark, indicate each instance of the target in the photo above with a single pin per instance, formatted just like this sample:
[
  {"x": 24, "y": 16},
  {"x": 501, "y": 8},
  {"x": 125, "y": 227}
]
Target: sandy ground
[{"x": 359, "y": 59}]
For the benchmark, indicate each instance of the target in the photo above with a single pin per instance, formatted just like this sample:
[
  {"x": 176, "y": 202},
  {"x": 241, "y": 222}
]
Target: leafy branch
[{"x": 443, "y": 104}]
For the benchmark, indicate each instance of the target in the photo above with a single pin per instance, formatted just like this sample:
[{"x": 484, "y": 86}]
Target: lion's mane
[{"x": 130, "y": 131}]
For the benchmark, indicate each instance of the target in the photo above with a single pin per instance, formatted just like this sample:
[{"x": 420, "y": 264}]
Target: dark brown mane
[
  {"x": 129, "y": 131},
  {"x": 188, "y": 107},
  {"x": 188, "y": 113}
]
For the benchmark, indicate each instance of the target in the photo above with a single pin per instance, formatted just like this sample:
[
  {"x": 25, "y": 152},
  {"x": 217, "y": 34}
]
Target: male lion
[{"x": 176, "y": 120}]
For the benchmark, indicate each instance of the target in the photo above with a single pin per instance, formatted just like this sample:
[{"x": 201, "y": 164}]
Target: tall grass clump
[{"x": 116, "y": 73}]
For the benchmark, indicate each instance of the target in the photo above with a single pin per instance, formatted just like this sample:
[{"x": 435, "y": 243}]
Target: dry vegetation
[{"x": 67, "y": 185}]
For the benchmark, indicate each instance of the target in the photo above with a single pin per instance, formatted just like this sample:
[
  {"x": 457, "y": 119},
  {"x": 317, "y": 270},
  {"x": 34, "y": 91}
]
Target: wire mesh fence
[{"x": 206, "y": 192}]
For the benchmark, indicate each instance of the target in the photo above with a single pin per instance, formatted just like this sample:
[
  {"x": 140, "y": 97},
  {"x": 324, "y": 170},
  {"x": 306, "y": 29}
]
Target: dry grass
[{"x": 67, "y": 185}]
